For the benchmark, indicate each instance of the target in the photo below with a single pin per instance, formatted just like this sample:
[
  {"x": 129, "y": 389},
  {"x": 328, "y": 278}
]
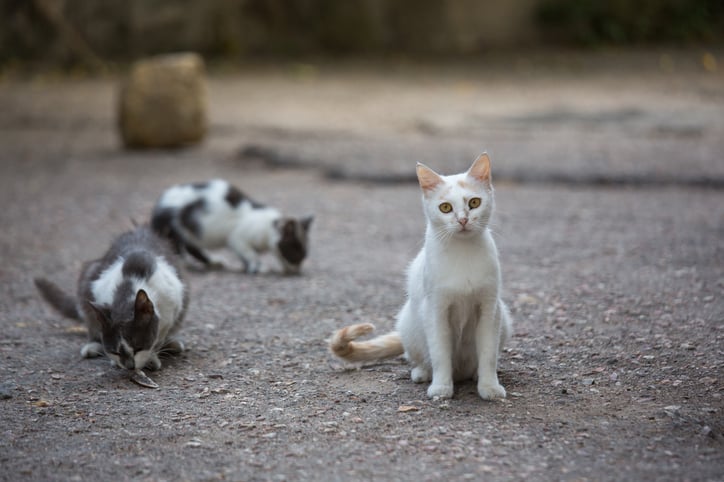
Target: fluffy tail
[
  {"x": 384, "y": 346},
  {"x": 57, "y": 298}
]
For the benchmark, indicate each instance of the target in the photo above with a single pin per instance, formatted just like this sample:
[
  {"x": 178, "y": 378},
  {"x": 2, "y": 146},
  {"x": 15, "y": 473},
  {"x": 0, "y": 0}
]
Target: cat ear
[
  {"x": 144, "y": 306},
  {"x": 306, "y": 222},
  {"x": 428, "y": 178},
  {"x": 101, "y": 313},
  {"x": 480, "y": 170}
]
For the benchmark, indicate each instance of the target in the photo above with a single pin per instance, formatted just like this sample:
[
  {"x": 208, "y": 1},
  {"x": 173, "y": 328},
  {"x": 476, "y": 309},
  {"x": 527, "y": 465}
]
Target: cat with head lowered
[
  {"x": 132, "y": 300},
  {"x": 214, "y": 214},
  {"x": 454, "y": 322}
]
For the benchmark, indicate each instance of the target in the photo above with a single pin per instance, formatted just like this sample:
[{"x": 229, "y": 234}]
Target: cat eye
[
  {"x": 446, "y": 207},
  {"x": 474, "y": 202}
]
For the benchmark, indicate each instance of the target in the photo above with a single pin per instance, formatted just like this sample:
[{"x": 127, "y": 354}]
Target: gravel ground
[{"x": 615, "y": 369}]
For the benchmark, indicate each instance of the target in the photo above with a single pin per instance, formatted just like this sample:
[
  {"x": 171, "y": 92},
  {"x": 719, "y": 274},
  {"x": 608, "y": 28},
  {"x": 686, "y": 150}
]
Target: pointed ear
[
  {"x": 428, "y": 178},
  {"x": 144, "y": 306},
  {"x": 101, "y": 313},
  {"x": 306, "y": 222},
  {"x": 480, "y": 170}
]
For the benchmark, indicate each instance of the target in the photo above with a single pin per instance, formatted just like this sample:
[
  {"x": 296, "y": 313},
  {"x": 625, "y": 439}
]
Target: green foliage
[{"x": 594, "y": 22}]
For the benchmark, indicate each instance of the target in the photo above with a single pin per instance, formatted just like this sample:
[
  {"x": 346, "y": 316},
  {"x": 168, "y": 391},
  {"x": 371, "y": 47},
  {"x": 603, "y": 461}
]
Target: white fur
[{"x": 454, "y": 322}]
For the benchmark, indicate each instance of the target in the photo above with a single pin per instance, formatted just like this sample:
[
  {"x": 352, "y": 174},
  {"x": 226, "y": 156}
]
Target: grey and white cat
[
  {"x": 454, "y": 323},
  {"x": 214, "y": 214},
  {"x": 132, "y": 300}
]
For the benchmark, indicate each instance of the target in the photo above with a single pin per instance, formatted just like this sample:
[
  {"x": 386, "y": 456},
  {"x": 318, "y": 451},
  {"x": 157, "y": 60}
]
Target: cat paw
[
  {"x": 440, "y": 391},
  {"x": 174, "y": 346},
  {"x": 91, "y": 350},
  {"x": 153, "y": 363},
  {"x": 491, "y": 391},
  {"x": 420, "y": 375}
]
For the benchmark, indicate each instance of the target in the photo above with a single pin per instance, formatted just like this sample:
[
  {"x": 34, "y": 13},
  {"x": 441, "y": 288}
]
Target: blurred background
[{"x": 84, "y": 32}]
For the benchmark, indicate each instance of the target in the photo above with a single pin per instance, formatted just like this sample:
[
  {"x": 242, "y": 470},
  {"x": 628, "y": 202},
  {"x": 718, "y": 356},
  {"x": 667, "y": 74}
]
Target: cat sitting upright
[
  {"x": 454, "y": 322},
  {"x": 132, "y": 300},
  {"x": 208, "y": 215}
]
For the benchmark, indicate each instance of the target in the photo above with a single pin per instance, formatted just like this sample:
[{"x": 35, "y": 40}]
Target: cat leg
[
  {"x": 439, "y": 341},
  {"x": 247, "y": 254},
  {"x": 487, "y": 341},
  {"x": 506, "y": 325},
  {"x": 200, "y": 255},
  {"x": 91, "y": 350}
]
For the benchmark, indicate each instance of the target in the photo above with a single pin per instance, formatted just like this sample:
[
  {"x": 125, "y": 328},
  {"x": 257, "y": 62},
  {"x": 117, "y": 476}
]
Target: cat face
[
  {"x": 129, "y": 342},
  {"x": 460, "y": 205},
  {"x": 291, "y": 248}
]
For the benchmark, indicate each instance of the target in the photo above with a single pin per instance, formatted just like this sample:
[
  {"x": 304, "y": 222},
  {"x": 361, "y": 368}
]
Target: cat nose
[{"x": 463, "y": 221}]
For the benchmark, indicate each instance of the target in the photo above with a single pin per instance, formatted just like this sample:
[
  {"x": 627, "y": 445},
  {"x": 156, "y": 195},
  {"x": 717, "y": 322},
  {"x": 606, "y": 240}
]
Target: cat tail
[
  {"x": 57, "y": 298},
  {"x": 384, "y": 346}
]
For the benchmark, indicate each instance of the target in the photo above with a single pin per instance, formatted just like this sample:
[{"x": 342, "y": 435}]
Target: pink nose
[{"x": 463, "y": 221}]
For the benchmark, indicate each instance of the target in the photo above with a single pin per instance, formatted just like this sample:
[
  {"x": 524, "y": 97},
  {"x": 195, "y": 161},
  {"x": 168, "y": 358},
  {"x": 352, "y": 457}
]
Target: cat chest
[{"x": 462, "y": 282}]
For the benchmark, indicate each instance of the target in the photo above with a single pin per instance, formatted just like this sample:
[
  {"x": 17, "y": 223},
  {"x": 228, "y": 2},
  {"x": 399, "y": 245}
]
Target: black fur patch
[
  {"x": 290, "y": 246},
  {"x": 234, "y": 196},
  {"x": 200, "y": 185},
  {"x": 189, "y": 219},
  {"x": 140, "y": 264},
  {"x": 161, "y": 221}
]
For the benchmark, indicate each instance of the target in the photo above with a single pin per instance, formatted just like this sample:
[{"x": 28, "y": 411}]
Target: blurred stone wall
[
  {"x": 66, "y": 31},
  {"x": 127, "y": 29}
]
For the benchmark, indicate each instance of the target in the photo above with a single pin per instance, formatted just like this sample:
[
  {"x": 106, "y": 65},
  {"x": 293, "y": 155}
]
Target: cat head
[
  {"x": 291, "y": 247},
  {"x": 128, "y": 339},
  {"x": 459, "y": 205}
]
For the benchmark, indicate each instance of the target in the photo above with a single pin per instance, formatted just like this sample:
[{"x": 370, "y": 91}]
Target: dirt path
[{"x": 615, "y": 371}]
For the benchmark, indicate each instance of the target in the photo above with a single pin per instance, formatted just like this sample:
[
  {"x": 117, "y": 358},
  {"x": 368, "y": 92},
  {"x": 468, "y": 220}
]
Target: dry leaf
[{"x": 408, "y": 408}]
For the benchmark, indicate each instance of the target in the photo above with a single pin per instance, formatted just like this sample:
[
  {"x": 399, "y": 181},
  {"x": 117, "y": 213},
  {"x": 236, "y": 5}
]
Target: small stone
[{"x": 6, "y": 390}]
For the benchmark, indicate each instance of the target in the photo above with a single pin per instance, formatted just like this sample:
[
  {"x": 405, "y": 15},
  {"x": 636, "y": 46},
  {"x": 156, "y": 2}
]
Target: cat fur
[
  {"x": 132, "y": 301},
  {"x": 214, "y": 214},
  {"x": 454, "y": 322}
]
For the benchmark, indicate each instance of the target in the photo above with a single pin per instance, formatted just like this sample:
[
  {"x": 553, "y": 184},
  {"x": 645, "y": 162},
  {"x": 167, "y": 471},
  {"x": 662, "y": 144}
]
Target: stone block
[{"x": 162, "y": 103}]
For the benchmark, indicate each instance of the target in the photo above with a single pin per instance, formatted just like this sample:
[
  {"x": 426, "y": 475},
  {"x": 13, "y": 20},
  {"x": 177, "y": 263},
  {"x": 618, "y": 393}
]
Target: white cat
[{"x": 454, "y": 323}]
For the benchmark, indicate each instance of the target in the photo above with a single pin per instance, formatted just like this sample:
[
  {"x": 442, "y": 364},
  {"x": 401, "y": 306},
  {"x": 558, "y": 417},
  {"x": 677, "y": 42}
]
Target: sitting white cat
[{"x": 454, "y": 323}]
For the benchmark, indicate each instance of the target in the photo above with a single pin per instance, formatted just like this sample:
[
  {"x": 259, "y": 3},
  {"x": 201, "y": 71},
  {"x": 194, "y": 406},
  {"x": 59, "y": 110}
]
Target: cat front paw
[
  {"x": 491, "y": 391},
  {"x": 440, "y": 391},
  {"x": 91, "y": 350},
  {"x": 420, "y": 375},
  {"x": 174, "y": 346},
  {"x": 153, "y": 363},
  {"x": 252, "y": 267}
]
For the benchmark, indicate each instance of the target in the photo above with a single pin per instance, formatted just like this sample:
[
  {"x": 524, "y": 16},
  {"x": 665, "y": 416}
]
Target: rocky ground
[{"x": 610, "y": 224}]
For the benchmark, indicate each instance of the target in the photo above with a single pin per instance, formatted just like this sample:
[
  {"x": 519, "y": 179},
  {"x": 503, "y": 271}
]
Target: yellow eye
[
  {"x": 474, "y": 202},
  {"x": 446, "y": 207}
]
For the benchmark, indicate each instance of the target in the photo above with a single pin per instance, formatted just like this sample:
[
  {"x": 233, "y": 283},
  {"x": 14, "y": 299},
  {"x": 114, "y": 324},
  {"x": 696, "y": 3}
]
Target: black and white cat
[
  {"x": 132, "y": 300},
  {"x": 214, "y": 214}
]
